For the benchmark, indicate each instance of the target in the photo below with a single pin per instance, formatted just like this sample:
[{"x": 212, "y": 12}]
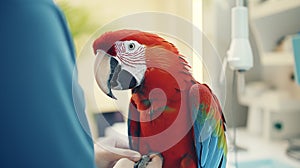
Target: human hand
[{"x": 109, "y": 150}]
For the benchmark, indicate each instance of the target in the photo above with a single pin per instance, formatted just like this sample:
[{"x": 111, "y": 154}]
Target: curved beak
[{"x": 109, "y": 74}]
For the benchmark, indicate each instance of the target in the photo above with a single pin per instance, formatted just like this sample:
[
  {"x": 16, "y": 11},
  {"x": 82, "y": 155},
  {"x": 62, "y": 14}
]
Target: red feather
[{"x": 107, "y": 40}]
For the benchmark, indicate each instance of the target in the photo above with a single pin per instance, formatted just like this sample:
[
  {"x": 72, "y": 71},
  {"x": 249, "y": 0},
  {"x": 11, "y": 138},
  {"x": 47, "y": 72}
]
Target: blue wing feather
[{"x": 209, "y": 127}]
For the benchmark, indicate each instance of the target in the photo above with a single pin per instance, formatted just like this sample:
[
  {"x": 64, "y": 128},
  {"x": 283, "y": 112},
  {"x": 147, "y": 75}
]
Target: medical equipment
[{"x": 239, "y": 55}]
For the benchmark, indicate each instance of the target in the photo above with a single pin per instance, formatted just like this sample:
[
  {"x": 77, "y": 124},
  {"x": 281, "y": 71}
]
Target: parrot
[{"x": 170, "y": 113}]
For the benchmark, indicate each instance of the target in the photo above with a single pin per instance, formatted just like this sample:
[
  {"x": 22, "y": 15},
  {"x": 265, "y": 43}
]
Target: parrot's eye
[{"x": 131, "y": 46}]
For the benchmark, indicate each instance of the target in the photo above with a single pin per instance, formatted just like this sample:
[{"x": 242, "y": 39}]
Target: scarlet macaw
[{"x": 170, "y": 112}]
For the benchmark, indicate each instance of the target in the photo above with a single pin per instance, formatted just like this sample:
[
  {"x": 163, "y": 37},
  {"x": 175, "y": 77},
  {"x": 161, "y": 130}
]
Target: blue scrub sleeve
[{"x": 40, "y": 94}]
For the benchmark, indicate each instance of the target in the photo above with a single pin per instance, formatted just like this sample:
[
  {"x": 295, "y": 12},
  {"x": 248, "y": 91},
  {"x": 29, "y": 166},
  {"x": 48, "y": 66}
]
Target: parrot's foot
[{"x": 143, "y": 162}]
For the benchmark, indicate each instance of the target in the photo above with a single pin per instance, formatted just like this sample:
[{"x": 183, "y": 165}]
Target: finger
[
  {"x": 113, "y": 154},
  {"x": 156, "y": 161},
  {"x": 130, "y": 154},
  {"x": 124, "y": 163},
  {"x": 155, "y": 155},
  {"x": 125, "y": 153}
]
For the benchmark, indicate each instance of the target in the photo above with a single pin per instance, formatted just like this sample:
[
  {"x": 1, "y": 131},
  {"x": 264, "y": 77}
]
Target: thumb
[{"x": 156, "y": 161}]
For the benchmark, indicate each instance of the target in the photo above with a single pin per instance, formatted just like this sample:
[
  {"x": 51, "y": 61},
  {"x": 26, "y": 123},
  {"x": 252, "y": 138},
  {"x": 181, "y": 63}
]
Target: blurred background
[{"x": 267, "y": 112}]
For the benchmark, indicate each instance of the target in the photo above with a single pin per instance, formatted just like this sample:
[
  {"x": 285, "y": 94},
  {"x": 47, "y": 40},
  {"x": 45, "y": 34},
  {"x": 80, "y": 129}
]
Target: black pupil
[{"x": 131, "y": 46}]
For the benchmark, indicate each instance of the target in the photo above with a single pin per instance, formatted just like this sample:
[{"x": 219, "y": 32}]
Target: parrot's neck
[
  {"x": 168, "y": 82},
  {"x": 167, "y": 71}
]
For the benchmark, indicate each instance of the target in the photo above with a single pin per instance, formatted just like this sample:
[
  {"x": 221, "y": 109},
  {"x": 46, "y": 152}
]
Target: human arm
[
  {"x": 40, "y": 95},
  {"x": 114, "y": 152}
]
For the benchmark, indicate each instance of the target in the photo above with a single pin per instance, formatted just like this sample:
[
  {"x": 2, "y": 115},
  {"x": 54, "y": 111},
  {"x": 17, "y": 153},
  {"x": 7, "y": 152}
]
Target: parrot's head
[{"x": 121, "y": 58}]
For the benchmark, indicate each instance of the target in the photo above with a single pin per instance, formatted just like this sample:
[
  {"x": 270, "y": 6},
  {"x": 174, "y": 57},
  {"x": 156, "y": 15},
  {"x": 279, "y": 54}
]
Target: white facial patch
[{"x": 131, "y": 56}]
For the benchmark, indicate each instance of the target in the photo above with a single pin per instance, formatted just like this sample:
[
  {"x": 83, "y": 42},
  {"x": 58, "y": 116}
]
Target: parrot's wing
[
  {"x": 133, "y": 126},
  {"x": 209, "y": 127}
]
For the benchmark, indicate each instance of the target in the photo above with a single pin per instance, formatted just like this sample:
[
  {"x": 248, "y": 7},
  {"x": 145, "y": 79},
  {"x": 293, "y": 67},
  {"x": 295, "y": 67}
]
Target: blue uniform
[{"x": 38, "y": 89}]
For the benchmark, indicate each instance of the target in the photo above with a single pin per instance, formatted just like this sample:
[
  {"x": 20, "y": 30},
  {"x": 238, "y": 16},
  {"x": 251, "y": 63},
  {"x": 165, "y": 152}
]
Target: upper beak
[
  {"x": 109, "y": 74},
  {"x": 103, "y": 71}
]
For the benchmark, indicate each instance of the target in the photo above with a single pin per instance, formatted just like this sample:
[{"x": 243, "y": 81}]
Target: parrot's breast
[{"x": 165, "y": 126}]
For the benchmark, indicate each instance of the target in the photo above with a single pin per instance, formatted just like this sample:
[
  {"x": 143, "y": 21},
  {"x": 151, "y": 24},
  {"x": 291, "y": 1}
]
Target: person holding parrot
[
  {"x": 39, "y": 90},
  {"x": 170, "y": 113}
]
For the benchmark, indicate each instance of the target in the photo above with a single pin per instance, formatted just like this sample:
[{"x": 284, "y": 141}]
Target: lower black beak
[{"x": 125, "y": 80}]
